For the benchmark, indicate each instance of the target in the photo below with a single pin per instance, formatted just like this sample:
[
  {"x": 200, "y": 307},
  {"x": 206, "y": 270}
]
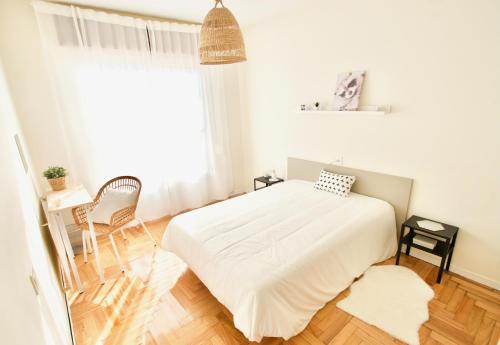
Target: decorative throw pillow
[
  {"x": 334, "y": 183},
  {"x": 114, "y": 200}
]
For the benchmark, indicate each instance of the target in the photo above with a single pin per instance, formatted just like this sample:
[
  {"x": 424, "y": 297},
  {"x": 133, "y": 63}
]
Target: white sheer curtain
[{"x": 134, "y": 100}]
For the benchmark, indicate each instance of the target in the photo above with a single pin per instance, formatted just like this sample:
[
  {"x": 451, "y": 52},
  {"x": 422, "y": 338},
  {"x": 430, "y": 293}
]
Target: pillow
[
  {"x": 114, "y": 200},
  {"x": 334, "y": 183}
]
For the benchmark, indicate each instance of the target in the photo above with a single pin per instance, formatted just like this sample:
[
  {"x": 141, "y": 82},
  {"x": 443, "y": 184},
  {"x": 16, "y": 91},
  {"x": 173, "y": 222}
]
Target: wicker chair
[{"x": 118, "y": 220}]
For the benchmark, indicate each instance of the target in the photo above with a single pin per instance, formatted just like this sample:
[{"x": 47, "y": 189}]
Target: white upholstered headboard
[{"x": 393, "y": 189}]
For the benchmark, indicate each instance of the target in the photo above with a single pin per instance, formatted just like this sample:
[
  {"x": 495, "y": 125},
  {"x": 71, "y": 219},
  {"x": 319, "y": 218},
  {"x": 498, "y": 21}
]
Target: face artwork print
[{"x": 348, "y": 90}]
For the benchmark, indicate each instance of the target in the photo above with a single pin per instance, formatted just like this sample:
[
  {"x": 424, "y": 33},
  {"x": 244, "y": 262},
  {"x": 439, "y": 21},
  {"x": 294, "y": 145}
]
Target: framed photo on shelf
[{"x": 348, "y": 90}]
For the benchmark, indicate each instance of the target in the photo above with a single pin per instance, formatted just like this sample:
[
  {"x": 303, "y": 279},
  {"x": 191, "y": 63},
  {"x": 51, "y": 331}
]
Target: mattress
[{"x": 276, "y": 256}]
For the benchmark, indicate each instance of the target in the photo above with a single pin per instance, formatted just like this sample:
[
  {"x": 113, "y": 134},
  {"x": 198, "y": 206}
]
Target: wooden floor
[{"x": 159, "y": 301}]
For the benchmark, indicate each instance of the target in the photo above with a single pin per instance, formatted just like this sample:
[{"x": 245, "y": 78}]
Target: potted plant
[{"x": 56, "y": 177}]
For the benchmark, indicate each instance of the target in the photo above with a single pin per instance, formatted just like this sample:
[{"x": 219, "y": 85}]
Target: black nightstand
[
  {"x": 265, "y": 180},
  {"x": 444, "y": 248}
]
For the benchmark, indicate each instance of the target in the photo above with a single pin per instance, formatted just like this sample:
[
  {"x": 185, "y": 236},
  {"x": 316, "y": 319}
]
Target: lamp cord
[{"x": 218, "y": 2}]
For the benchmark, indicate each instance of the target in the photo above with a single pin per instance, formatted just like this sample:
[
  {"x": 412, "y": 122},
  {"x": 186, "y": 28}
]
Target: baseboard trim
[{"x": 419, "y": 254}]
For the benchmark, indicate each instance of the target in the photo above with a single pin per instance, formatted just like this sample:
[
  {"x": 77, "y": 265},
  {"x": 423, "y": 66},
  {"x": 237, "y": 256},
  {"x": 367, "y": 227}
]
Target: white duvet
[{"x": 276, "y": 256}]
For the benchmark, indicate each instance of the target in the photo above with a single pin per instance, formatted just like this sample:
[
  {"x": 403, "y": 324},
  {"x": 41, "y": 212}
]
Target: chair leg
[
  {"x": 84, "y": 241},
  {"x": 123, "y": 234},
  {"x": 96, "y": 249},
  {"x": 115, "y": 249},
  {"x": 89, "y": 243},
  {"x": 147, "y": 231}
]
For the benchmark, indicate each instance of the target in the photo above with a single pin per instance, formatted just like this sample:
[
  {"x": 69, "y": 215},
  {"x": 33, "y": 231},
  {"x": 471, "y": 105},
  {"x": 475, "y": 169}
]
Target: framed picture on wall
[{"x": 348, "y": 90}]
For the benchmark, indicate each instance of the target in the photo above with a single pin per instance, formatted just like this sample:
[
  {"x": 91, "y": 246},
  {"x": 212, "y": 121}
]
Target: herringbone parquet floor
[{"x": 159, "y": 301}]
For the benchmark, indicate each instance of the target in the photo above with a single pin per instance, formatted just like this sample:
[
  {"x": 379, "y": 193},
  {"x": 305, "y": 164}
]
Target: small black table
[
  {"x": 444, "y": 248},
  {"x": 265, "y": 180}
]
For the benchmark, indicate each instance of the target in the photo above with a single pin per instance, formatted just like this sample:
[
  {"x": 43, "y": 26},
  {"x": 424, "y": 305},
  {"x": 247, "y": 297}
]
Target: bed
[{"x": 276, "y": 256}]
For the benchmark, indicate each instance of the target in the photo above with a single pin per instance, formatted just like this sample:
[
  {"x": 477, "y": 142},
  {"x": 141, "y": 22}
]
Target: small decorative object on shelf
[
  {"x": 348, "y": 90},
  {"x": 316, "y": 106},
  {"x": 56, "y": 177},
  {"x": 362, "y": 110},
  {"x": 302, "y": 107},
  {"x": 440, "y": 242},
  {"x": 271, "y": 175}
]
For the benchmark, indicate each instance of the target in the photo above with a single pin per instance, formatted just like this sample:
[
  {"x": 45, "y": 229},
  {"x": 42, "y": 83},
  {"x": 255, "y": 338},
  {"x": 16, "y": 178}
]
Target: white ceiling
[{"x": 247, "y": 12}]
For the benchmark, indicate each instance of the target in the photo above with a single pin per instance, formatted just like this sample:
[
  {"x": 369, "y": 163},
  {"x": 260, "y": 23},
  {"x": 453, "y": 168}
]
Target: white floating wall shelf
[{"x": 364, "y": 110}]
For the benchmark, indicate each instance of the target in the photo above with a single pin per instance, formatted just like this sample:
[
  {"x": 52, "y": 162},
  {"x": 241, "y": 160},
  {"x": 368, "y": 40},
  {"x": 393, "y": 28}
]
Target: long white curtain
[{"x": 134, "y": 100}]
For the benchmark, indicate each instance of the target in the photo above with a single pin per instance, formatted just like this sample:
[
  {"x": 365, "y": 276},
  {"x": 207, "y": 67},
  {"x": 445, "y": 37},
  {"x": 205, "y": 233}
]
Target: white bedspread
[{"x": 276, "y": 256}]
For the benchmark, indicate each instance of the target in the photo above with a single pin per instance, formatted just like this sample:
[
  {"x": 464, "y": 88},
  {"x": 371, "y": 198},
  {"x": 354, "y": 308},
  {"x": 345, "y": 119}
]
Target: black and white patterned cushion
[{"x": 334, "y": 183}]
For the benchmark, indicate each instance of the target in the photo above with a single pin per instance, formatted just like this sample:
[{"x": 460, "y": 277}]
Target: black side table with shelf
[
  {"x": 266, "y": 181},
  {"x": 445, "y": 245}
]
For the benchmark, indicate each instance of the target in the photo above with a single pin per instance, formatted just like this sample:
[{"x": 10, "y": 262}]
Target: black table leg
[
  {"x": 410, "y": 241},
  {"x": 451, "y": 252},
  {"x": 400, "y": 244},
  {"x": 443, "y": 260}
]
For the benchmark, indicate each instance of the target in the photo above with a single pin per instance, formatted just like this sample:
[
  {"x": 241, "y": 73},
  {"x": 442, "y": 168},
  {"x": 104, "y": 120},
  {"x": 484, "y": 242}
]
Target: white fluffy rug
[{"x": 393, "y": 298}]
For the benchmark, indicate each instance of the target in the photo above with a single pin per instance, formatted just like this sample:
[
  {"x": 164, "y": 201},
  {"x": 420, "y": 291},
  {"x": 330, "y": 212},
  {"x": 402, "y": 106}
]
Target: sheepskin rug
[{"x": 392, "y": 298}]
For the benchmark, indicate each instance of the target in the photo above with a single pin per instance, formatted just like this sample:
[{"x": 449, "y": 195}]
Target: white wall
[
  {"x": 28, "y": 79},
  {"x": 22, "y": 249},
  {"x": 24, "y": 246},
  {"x": 436, "y": 62},
  {"x": 19, "y": 302}
]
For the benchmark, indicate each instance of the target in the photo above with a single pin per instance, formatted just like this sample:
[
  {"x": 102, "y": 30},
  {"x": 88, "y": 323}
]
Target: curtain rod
[{"x": 125, "y": 13}]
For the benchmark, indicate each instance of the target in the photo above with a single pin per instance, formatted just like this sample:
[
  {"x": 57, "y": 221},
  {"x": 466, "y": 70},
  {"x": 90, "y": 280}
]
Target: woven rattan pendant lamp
[{"x": 221, "y": 41}]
